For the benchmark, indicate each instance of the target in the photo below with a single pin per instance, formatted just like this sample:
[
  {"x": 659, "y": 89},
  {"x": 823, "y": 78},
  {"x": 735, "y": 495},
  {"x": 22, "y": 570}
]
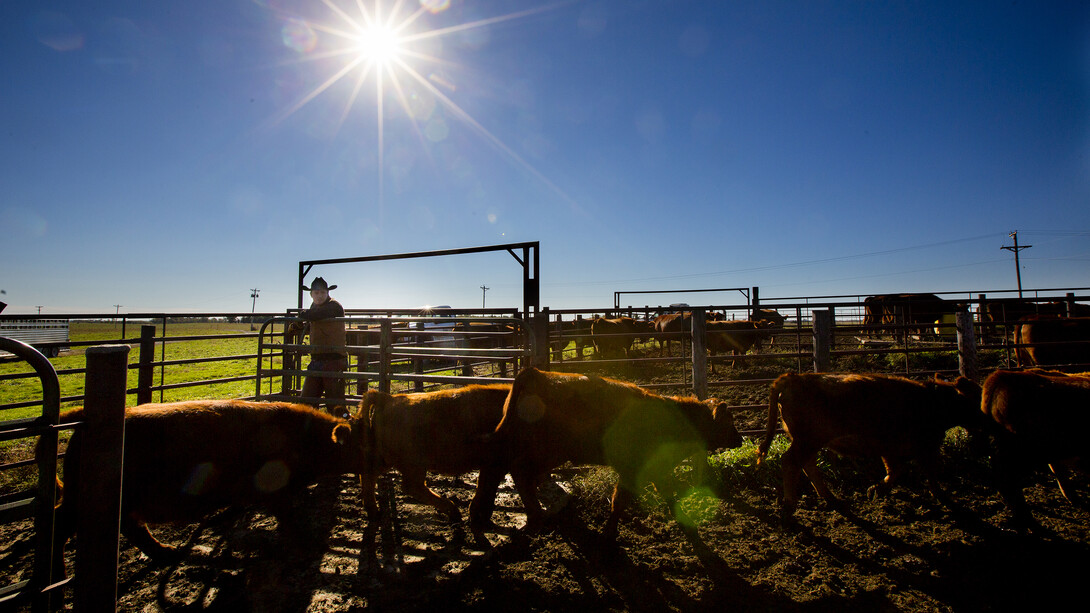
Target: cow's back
[
  {"x": 1054, "y": 340},
  {"x": 1048, "y": 414},
  {"x": 867, "y": 415},
  {"x": 439, "y": 431},
  {"x": 551, "y": 418},
  {"x": 184, "y": 459}
]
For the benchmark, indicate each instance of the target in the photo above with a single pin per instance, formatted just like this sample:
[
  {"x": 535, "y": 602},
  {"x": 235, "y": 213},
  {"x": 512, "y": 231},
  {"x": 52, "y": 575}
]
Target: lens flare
[{"x": 385, "y": 48}]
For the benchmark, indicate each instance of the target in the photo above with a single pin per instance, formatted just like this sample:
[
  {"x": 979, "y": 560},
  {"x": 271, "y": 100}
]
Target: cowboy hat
[{"x": 319, "y": 283}]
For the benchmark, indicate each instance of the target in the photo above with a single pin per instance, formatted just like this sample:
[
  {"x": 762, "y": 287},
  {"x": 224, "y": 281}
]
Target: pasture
[{"x": 903, "y": 552}]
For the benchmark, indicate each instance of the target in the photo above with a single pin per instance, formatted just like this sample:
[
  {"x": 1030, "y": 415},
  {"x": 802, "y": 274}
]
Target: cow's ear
[
  {"x": 342, "y": 434},
  {"x": 967, "y": 386}
]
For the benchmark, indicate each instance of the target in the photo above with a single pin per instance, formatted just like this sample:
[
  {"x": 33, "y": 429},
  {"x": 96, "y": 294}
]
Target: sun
[
  {"x": 382, "y": 44},
  {"x": 379, "y": 44}
]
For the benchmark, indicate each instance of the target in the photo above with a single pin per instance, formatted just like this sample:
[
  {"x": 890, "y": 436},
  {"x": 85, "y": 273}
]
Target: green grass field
[{"x": 70, "y": 364}]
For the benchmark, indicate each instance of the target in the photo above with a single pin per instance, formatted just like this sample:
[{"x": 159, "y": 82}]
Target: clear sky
[{"x": 171, "y": 156}]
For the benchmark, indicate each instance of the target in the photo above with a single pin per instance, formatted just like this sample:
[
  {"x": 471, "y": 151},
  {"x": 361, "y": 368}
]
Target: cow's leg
[
  {"x": 621, "y": 499},
  {"x": 1009, "y": 467},
  {"x": 794, "y": 459},
  {"x": 413, "y": 481},
  {"x": 930, "y": 467},
  {"x": 141, "y": 537},
  {"x": 484, "y": 500},
  {"x": 894, "y": 469},
  {"x": 797, "y": 458},
  {"x": 1059, "y": 471},
  {"x": 367, "y": 493},
  {"x": 526, "y": 481},
  {"x": 64, "y": 527},
  {"x": 818, "y": 481}
]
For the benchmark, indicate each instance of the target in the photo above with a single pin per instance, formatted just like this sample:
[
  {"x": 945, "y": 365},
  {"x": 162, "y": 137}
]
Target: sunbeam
[{"x": 380, "y": 45}]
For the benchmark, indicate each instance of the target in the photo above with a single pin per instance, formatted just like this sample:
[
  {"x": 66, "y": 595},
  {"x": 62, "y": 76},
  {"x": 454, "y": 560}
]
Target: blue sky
[{"x": 172, "y": 156}]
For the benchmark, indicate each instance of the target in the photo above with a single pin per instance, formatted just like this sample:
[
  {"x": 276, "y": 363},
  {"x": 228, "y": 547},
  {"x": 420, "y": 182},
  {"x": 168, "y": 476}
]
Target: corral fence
[
  {"x": 968, "y": 334},
  {"x": 408, "y": 351},
  {"x": 396, "y": 351},
  {"x": 98, "y": 495}
]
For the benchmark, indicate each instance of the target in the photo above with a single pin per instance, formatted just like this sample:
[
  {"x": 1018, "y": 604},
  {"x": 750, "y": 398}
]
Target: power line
[{"x": 779, "y": 266}]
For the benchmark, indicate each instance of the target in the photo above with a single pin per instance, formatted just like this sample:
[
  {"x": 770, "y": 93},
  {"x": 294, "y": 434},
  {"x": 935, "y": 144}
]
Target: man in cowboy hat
[{"x": 327, "y": 340}]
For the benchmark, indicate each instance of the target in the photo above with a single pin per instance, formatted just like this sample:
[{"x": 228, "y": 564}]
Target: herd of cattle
[
  {"x": 1046, "y": 333},
  {"x": 613, "y": 337},
  {"x": 184, "y": 460}
]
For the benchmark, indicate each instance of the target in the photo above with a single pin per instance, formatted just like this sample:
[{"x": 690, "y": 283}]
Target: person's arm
[{"x": 325, "y": 311}]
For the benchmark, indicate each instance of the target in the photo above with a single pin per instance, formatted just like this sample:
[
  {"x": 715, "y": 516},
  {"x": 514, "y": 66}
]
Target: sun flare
[
  {"x": 379, "y": 44},
  {"x": 384, "y": 45}
]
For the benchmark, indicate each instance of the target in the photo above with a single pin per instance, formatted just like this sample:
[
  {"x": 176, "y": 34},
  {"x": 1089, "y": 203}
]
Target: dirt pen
[{"x": 401, "y": 351}]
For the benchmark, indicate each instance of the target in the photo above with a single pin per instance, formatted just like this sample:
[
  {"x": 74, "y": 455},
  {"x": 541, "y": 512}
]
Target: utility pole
[
  {"x": 484, "y": 290},
  {"x": 253, "y": 306},
  {"x": 117, "y": 309},
  {"x": 39, "y": 307},
  {"x": 1017, "y": 265}
]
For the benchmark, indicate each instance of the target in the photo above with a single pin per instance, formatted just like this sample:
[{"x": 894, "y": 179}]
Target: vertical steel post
[
  {"x": 823, "y": 339},
  {"x": 98, "y": 523},
  {"x": 967, "y": 364},
  {"x": 145, "y": 359},
  {"x": 700, "y": 355}
]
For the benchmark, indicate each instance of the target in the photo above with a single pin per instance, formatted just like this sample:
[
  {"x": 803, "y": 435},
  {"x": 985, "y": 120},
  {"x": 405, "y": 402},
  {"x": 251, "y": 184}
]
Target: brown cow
[
  {"x": 184, "y": 460},
  {"x": 890, "y": 313},
  {"x": 672, "y": 326},
  {"x": 1051, "y": 341},
  {"x": 576, "y": 331},
  {"x": 485, "y": 335},
  {"x": 770, "y": 315},
  {"x": 865, "y": 415},
  {"x": 735, "y": 337},
  {"x": 551, "y": 418},
  {"x": 1042, "y": 417},
  {"x": 677, "y": 326},
  {"x": 431, "y": 431},
  {"x": 615, "y": 336},
  {"x": 996, "y": 315}
]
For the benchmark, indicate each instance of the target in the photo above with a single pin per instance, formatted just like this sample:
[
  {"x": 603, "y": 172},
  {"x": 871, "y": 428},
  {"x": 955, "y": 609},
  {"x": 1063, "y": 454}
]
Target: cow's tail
[
  {"x": 773, "y": 418},
  {"x": 509, "y": 407},
  {"x": 369, "y": 413},
  {"x": 41, "y": 452}
]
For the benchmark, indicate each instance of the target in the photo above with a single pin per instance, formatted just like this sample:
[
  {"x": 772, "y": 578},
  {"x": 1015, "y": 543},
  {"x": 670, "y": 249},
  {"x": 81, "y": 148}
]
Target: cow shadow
[
  {"x": 410, "y": 540},
  {"x": 249, "y": 559}
]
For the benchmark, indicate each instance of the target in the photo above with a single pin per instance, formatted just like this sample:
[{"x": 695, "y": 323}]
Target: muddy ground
[
  {"x": 899, "y": 553},
  {"x": 902, "y": 552}
]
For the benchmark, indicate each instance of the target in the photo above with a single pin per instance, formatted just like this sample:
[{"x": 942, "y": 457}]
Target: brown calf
[
  {"x": 576, "y": 331},
  {"x": 431, "y": 431},
  {"x": 615, "y": 336},
  {"x": 1041, "y": 417},
  {"x": 184, "y": 460},
  {"x": 736, "y": 337},
  {"x": 551, "y": 418},
  {"x": 864, "y": 415},
  {"x": 769, "y": 315},
  {"x": 1053, "y": 341}
]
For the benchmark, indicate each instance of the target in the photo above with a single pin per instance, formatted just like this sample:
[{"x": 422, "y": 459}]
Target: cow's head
[
  {"x": 724, "y": 434},
  {"x": 961, "y": 400}
]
